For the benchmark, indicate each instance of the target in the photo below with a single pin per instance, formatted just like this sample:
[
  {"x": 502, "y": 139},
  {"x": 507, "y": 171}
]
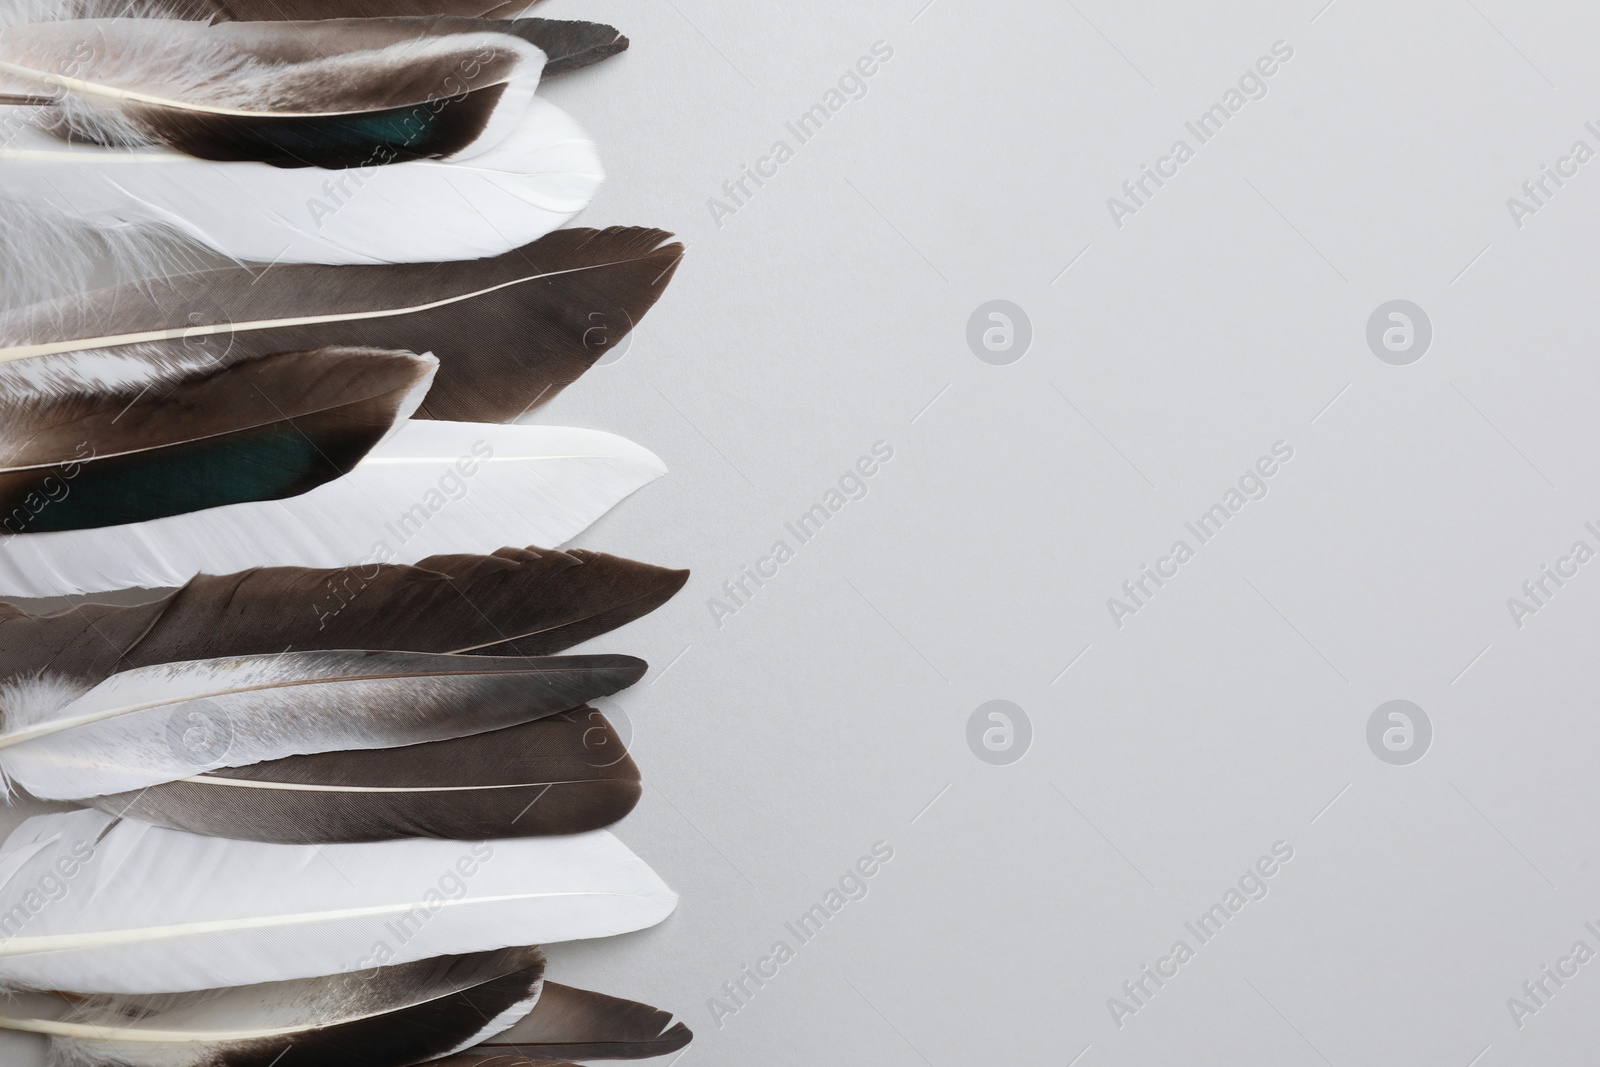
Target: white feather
[
  {"x": 156, "y": 724},
  {"x": 410, "y": 498},
  {"x": 150, "y": 910},
  {"x": 536, "y": 178}
]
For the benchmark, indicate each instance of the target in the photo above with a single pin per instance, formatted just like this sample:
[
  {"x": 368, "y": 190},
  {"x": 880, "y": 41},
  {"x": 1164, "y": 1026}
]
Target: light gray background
[{"x": 831, "y": 712}]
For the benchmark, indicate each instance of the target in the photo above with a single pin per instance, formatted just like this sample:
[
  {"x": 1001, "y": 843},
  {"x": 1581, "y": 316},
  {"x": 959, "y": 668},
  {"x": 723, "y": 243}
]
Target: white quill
[
  {"x": 536, "y": 178},
  {"x": 142, "y": 909},
  {"x": 432, "y": 488}
]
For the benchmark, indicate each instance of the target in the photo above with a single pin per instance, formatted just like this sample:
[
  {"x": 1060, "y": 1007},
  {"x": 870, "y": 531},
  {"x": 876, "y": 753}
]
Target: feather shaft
[
  {"x": 160, "y": 724},
  {"x": 562, "y": 774},
  {"x": 521, "y": 602},
  {"x": 510, "y": 331},
  {"x": 158, "y": 911}
]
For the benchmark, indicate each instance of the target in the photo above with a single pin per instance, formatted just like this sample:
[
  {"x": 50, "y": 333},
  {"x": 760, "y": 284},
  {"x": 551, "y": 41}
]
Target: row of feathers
[
  {"x": 337, "y": 784},
  {"x": 297, "y": 854}
]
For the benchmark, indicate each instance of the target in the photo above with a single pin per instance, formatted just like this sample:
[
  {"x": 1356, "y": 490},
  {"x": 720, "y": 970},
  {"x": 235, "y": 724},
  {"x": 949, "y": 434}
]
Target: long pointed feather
[
  {"x": 536, "y": 178},
  {"x": 510, "y": 331},
  {"x": 388, "y": 1017},
  {"x": 334, "y": 93},
  {"x": 516, "y": 602},
  {"x": 159, "y": 724},
  {"x": 568, "y": 45},
  {"x": 109, "y": 438},
  {"x": 151, "y": 910},
  {"x": 562, "y": 774},
  {"x": 433, "y": 487},
  {"x": 268, "y": 10},
  {"x": 577, "y": 1024}
]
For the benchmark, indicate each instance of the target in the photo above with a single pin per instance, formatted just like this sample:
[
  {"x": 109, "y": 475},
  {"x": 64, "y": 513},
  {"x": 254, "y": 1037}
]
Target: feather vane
[{"x": 152, "y": 910}]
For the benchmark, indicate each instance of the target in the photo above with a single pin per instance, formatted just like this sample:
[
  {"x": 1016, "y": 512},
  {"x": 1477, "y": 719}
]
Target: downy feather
[
  {"x": 104, "y": 438},
  {"x": 516, "y": 602},
  {"x": 66, "y": 255},
  {"x": 151, "y": 910},
  {"x": 433, "y": 487},
  {"x": 536, "y": 178},
  {"x": 160, "y": 724},
  {"x": 562, "y": 774},
  {"x": 510, "y": 331},
  {"x": 334, "y": 93},
  {"x": 385, "y": 1017}
]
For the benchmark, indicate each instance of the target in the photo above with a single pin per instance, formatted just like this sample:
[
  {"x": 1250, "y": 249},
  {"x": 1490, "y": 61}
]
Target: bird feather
[
  {"x": 432, "y": 487},
  {"x": 159, "y": 724},
  {"x": 334, "y": 93},
  {"x": 104, "y": 438},
  {"x": 576, "y": 1024},
  {"x": 152, "y": 910},
  {"x": 510, "y": 331},
  {"x": 544, "y": 171},
  {"x": 517, "y": 602},
  {"x": 385, "y": 1017},
  {"x": 562, "y": 774}
]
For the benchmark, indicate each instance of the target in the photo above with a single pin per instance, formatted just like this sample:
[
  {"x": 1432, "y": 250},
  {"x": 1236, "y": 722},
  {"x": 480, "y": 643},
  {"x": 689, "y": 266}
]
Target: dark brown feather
[
  {"x": 510, "y": 332},
  {"x": 564, "y": 774},
  {"x": 524, "y": 602},
  {"x": 567, "y": 46},
  {"x": 577, "y": 1024},
  {"x": 260, "y": 429}
]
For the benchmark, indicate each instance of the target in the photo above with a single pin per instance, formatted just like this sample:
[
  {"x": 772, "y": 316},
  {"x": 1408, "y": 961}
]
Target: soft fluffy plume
[{"x": 50, "y": 254}]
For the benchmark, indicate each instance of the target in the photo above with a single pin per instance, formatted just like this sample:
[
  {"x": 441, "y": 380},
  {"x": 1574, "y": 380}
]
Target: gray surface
[{"x": 1232, "y": 711}]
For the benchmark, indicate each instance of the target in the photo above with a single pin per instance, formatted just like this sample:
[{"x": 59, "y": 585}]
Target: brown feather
[
  {"x": 564, "y": 774},
  {"x": 525, "y": 602},
  {"x": 570, "y": 1023},
  {"x": 567, "y": 45},
  {"x": 400, "y": 1014},
  {"x": 510, "y": 332},
  {"x": 164, "y": 441}
]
